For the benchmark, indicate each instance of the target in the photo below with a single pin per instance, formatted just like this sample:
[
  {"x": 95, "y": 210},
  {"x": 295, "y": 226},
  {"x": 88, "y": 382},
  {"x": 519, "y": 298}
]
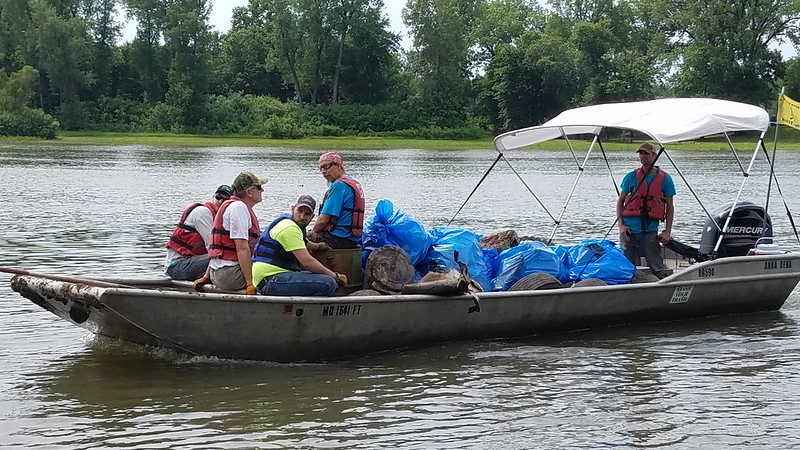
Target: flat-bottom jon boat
[
  {"x": 230, "y": 325},
  {"x": 283, "y": 329}
]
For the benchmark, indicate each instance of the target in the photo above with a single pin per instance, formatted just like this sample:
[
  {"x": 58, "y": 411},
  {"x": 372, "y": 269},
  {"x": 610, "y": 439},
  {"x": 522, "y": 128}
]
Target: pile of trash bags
[{"x": 435, "y": 250}]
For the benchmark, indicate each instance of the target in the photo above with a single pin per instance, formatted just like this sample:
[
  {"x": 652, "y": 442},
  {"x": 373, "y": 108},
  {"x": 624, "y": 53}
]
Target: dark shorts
[{"x": 333, "y": 241}]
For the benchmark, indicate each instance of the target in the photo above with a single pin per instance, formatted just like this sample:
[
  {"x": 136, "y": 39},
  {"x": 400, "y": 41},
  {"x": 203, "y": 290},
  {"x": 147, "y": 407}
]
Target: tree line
[{"x": 294, "y": 68}]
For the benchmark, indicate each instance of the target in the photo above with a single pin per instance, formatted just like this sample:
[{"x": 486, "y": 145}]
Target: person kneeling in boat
[
  {"x": 187, "y": 248},
  {"x": 233, "y": 237},
  {"x": 282, "y": 264},
  {"x": 341, "y": 215},
  {"x": 645, "y": 199}
]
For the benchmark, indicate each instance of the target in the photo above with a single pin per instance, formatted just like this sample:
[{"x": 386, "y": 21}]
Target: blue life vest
[{"x": 270, "y": 251}]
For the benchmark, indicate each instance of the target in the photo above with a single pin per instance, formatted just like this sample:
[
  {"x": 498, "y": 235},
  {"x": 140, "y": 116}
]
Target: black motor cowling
[{"x": 749, "y": 223}]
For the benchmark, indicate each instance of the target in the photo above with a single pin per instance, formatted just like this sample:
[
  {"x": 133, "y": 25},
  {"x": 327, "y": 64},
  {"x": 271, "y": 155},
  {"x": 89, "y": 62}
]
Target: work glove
[
  {"x": 200, "y": 282},
  {"x": 251, "y": 290},
  {"x": 341, "y": 279}
]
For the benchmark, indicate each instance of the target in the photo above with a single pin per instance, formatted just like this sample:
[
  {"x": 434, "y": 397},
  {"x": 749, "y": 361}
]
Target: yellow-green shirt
[{"x": 290, "y": 236}]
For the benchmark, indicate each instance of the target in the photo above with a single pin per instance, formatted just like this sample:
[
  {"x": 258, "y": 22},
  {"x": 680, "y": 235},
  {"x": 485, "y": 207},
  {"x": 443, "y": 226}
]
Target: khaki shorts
[{"x": 228, "y": 278}]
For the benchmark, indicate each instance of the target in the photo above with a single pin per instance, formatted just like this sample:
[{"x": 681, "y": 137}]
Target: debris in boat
[
  {"x": 364, "y": 293},
  {"x": 388, "y": 270},
  {"x": 589, "y": 282},
  {"x": 501, "y": 241},
  {"x": 643, "y": 276},
  {"x": 532, "y": 238},
  {"x": 439, "y": 283},
  {"x": 536, "y": 281}
]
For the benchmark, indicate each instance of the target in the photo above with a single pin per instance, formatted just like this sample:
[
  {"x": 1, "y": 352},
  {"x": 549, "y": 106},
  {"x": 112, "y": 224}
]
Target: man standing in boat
[
  {"x": 187, "y": 248},
  {"x": 233, "y": 237},
  {"x": 282, "y": 264},
  {"x": 341, "y": 216},
  {"x": 644, "y": 201}
]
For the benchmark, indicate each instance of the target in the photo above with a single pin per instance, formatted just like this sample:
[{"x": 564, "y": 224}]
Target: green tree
[
  {"x": 100, "y": 19},
  {"x": 14, "y": 20},
  {"x": 440, "y": 57},
  {"x": 367, "y": 64},
  {"x": 529, "y": 83},
  {"x": 147, "y": 54},
  {"x": 244, "y": 64},
  {"x": 188, "y": 43},
  {"x": 16, "y": 90},
  {"x": 60, "y": 48},
  {"x": 724, "y": 47},
  {"x": 791, "y": 78}
]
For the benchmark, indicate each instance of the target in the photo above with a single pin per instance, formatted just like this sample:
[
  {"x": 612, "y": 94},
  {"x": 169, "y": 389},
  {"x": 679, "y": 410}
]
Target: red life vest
[
  {"x": 647, "y": 200},
  {"x": 357, "y": 225},
  {"x": 186, "y": 240},
  {"x": 222, "y": 246}
]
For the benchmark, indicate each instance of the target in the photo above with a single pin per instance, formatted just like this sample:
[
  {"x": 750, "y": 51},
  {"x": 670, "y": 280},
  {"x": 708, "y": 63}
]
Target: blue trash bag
[
  {"x": 446, "y": 240},
  {"x": 524, "y": 259},
  {"x": 395, "y": 227},
  {"x": 489, "y": 254},
  {"x": 603, "y": 259}
]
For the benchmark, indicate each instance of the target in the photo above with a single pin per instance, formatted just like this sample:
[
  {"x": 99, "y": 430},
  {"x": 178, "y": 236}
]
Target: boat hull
[{"x": 286, "y": 329}]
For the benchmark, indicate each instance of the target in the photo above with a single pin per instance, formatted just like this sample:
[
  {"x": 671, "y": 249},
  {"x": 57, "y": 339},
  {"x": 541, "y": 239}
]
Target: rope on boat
[{"x": 145, "y": 330}]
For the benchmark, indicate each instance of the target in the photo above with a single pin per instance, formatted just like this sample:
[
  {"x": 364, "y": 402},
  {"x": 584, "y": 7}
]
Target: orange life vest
[
  {"x": 357, "y": 225},
  {"x": 185, "y": 239},
  {"x": 222, "y": 246},
  {"x": 647, "y": 200}
]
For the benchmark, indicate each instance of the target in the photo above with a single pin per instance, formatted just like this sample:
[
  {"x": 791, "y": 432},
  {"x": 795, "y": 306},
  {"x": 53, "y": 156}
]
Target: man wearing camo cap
[{"x": 233, "y": 237}]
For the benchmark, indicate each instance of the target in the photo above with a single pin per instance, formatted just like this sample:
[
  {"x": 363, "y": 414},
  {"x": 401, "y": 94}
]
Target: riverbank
[{"x": 789, "y": 139}]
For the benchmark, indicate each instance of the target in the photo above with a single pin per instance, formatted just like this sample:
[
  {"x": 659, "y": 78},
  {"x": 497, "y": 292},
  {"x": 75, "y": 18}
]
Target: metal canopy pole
[
  {"x": 581, "y": 168},
  {"x": 759, "y": 144}
]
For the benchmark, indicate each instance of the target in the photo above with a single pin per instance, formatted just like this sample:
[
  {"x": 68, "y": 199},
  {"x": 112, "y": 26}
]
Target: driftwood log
[{"x": 388, "y": 270}]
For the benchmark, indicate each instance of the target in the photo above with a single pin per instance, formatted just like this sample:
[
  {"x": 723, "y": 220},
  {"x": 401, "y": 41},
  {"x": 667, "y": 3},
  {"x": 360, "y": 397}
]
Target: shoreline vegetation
[{"x": 788, "y": 139}]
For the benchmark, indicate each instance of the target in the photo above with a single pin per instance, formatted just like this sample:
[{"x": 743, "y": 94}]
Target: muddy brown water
[{"x": 94, "y": 210}]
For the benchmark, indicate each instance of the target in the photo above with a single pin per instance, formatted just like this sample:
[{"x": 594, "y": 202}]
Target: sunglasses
[
  {"x": 256, "y": 186},
  {"x": 326, "y": 166},
  {"x": 221, "y": 197}
]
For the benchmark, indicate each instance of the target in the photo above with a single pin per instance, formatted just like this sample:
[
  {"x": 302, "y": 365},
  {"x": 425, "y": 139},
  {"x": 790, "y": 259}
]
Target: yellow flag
[{"x": 788, "y": 111}]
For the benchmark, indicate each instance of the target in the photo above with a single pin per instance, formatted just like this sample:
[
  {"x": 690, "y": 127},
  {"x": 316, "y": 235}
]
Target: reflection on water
[{"x": 88, "y": 210}]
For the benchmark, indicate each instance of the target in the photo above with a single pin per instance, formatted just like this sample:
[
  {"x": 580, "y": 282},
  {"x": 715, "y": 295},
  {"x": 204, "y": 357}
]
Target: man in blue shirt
[
  {"x": 645, "y": 200},
  {"x": 341, "y": 217}
]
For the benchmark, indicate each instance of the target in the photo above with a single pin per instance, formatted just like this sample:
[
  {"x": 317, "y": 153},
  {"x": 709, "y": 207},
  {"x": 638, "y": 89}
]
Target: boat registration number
[
  {"x": 681, "y": 294},
  {"x": 340, "y": 310}
]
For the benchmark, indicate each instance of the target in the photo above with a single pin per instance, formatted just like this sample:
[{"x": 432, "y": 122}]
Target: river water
[{"x": 94, "y": 210}]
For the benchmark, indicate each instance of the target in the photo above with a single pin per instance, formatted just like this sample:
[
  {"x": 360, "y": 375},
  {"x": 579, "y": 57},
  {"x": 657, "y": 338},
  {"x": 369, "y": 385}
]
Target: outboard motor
[{"x": 749, "y": 223}]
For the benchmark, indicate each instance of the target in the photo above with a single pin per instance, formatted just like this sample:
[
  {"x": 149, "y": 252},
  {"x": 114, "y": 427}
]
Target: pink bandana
[{"x": 331, "y": 157}]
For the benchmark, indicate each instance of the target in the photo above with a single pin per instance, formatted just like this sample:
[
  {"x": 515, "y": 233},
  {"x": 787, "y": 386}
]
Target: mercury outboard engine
[{"x": 749, "y": 223}]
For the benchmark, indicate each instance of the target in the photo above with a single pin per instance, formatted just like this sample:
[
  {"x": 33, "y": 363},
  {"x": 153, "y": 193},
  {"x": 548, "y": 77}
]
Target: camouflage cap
[{"x": 246, "y": 180}]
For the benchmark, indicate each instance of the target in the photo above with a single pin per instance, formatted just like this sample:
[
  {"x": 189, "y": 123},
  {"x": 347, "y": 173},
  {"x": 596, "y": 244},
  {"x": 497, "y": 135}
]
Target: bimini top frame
[{"x": 665, "y": 121}]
